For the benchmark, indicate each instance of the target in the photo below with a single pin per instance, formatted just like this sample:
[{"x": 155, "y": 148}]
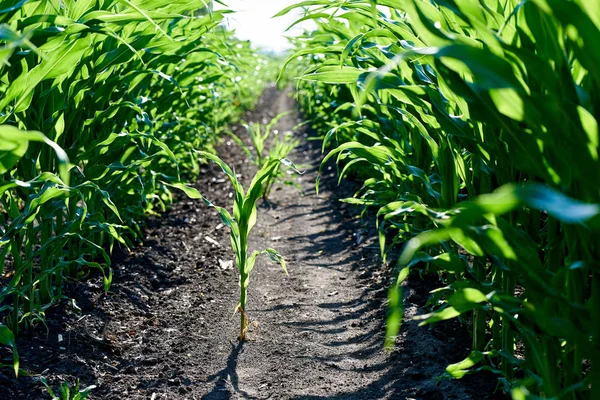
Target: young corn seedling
[
  {"x": 259, "y": 139},
  {"x": 284, "y": 144},
  {"x": 67, "y": 392},
  {"x": 281, "y": 148},
  {"x": 242, "y": 222}
]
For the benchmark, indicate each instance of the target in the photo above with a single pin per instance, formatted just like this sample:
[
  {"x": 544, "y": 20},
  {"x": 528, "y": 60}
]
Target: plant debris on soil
[{"x": 166, "y": 329}]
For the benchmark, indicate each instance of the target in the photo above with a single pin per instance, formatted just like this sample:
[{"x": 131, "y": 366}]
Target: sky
[{"x": 253, "y": 21}]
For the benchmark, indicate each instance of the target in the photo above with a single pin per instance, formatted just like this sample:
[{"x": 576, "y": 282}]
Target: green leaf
[
  {"x": 558, "y": 205},
  {"x": 461, "y": 368},
  {"x": 394, "y": 319},
  {"x": 14, "y": 143},
  {"x": 8, "y": 339},
  {"x": 12, "y": 147},
  {"x": 441, "y": 315},
  {"x": 335, "y": 75},
  {"x": 190, "y": 192},
  {"x": 466, "y": 299},
  {"x": 277, "y": 258}
]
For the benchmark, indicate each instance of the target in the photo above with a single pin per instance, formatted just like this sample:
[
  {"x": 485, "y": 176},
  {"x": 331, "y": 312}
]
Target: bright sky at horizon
[{"x": 253, "y": 21}]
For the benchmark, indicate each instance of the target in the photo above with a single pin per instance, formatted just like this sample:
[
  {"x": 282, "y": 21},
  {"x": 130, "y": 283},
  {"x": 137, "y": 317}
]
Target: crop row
[
  {"x": 103, "y": 105},
  {"x": 473, "y": 126}
]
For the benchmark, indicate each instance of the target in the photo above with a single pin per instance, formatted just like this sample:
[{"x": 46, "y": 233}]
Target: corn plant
[
  {"x": 281, "y": 145},
  {"x": 258, "y": 139},
  {"x": 284, "y": 143},
  {"x": 242, "y": 222},
  {"x": 473, "y": 126},
  {"x": 67, "y": 392}
]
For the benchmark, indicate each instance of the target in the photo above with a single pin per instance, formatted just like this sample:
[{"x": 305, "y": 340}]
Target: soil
[{"x": 167, "y": 329}]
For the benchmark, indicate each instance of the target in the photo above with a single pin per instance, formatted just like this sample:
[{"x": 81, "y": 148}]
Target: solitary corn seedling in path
[{"x": 242, "y": 222}]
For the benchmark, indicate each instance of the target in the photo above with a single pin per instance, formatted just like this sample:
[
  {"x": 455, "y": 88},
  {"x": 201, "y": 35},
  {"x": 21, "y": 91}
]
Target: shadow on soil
[{"x": 226, "y": 375}]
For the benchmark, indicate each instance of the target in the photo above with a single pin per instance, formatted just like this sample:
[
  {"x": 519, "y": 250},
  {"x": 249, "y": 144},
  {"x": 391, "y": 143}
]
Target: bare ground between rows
[{"x": 166, "y": 329}]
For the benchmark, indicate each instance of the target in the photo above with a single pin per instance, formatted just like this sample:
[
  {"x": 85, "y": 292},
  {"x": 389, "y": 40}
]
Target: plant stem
[{"x": 244, "y": 279}]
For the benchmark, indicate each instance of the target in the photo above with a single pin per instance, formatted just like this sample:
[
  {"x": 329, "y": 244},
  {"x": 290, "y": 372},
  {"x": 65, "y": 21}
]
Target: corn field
[{"x": 472, "y": 127}]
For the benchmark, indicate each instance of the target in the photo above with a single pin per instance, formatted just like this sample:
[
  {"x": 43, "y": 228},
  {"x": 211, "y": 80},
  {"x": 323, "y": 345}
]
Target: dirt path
[
  {"x": 166, "y": 331},
  {"x": 318, "y": 334}
]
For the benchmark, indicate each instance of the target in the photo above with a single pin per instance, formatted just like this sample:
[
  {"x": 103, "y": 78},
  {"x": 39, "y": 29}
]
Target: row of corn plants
[
  {"x": 474, "y": 127},
  {"x": 103, "y": 105}
]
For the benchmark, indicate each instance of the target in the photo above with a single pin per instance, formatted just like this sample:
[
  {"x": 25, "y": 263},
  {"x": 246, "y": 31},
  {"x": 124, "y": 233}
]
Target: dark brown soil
[{"x": 167, "y": 330}]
